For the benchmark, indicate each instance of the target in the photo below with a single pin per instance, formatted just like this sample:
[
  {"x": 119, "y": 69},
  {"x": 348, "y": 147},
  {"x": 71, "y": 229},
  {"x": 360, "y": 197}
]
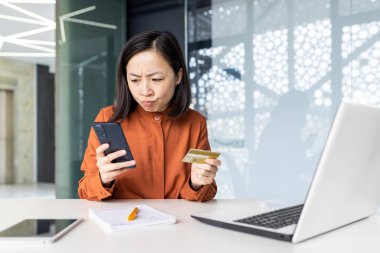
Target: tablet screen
[{"x": 32, "y": 228}]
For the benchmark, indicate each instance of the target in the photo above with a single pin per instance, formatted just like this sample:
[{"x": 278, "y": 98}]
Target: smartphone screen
[{"x": 111, "y": 133}]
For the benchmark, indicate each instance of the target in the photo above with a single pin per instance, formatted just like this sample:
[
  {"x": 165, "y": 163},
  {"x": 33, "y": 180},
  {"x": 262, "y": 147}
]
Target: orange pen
[{"x": 133, "y": 214}]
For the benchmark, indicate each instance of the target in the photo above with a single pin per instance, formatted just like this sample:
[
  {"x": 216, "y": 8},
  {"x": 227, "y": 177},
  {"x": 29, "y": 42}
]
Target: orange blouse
[{"x": 158, "y": 143}]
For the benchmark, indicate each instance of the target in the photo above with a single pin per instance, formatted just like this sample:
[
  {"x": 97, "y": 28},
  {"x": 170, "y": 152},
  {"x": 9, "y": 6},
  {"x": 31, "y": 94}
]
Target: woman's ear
[{"x": 179, "y": 76}]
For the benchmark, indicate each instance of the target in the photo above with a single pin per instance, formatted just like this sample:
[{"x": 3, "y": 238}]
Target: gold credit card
[{"x": 199, "y": 156}]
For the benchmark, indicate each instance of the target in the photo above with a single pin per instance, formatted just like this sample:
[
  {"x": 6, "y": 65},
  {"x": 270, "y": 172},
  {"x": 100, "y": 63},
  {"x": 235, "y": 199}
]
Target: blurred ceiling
[{"x": 27, "y": 31}]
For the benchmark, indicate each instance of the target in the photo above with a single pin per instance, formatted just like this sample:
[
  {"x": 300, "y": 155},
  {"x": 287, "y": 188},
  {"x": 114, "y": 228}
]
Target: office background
[{"x": 267, "y": 74}]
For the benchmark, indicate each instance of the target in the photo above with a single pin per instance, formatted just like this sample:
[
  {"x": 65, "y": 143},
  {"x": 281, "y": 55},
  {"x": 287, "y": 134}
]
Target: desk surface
[{"x": 187, "y": 235}]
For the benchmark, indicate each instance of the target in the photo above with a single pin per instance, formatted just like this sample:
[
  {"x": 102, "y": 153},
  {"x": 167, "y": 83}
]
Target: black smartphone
[{"x": 111, "y": 133}]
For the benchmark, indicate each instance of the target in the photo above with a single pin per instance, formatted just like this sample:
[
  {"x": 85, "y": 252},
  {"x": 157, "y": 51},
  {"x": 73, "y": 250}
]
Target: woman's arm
[
  {"x": 201, "y": 185},
  {"x": 90, "y": 185}
]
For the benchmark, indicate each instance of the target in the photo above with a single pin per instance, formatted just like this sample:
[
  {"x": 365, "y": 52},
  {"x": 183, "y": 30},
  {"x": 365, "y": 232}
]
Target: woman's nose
[{"x": 145, "y": 88}]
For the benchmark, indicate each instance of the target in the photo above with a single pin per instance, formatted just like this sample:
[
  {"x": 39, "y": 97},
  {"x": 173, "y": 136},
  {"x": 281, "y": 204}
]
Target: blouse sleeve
[
  {"x": 90, "y": 186},
  {"x": 206, "y": 192}
]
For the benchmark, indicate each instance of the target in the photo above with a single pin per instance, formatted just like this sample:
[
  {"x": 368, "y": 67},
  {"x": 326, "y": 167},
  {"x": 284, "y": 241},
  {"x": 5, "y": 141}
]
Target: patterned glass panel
[{"x": 269, "y": 76}]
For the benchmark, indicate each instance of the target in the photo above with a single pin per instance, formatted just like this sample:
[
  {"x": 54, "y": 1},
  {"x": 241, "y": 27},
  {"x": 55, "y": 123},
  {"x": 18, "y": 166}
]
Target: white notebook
[{"x": 115, "y": 219}]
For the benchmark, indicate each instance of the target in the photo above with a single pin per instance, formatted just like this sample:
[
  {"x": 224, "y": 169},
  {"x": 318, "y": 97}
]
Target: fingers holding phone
[
  {"x": 114, "y": 155},
  {"x": 108, "y": 169}
]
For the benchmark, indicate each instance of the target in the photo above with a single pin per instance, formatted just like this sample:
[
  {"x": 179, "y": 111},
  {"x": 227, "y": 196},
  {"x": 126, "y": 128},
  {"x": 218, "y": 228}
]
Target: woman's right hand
[{"x": 109, "y": 171}]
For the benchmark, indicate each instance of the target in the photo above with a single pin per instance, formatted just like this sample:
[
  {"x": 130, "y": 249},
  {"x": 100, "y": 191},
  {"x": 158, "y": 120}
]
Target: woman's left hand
[{"x": 203, "y": 174}]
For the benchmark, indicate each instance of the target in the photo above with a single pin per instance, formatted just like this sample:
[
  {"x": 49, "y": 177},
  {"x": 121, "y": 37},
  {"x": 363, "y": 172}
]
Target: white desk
[{"x": 188, "y": 235}]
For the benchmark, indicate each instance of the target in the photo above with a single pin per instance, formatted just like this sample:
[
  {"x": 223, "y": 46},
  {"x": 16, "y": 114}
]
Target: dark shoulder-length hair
[{"x": 167, "y": 45}]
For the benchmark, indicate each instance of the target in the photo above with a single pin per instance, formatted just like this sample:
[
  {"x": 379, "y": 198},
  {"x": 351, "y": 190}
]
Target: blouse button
[{"x": 157, "y": 117}]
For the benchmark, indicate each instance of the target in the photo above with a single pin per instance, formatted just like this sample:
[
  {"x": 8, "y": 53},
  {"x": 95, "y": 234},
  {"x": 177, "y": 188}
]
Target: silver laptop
[{"x": 345, "y": 186}]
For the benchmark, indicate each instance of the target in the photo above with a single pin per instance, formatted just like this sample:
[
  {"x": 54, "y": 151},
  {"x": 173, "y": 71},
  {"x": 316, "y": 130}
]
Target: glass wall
[
  {"x": 90, "y": 34},
  {"x": 269, "y": 76}
]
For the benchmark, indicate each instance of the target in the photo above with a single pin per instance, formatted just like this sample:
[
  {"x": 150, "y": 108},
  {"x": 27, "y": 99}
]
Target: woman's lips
[{"x": 148, "y": 103}]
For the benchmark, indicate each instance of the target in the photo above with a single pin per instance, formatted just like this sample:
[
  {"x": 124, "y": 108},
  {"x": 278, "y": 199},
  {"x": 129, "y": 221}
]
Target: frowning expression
[{"x": 151, "y": 80}]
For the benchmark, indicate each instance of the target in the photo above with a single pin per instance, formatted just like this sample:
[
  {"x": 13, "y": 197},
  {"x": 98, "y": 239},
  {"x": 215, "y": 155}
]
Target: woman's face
[{"x": 151, "y": 80}]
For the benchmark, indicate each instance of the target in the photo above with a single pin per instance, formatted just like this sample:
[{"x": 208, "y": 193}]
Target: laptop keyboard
[{"x": 275, "y": 219}]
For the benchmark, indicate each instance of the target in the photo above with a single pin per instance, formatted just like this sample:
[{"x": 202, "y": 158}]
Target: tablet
[{"x": 37, "y": 230}]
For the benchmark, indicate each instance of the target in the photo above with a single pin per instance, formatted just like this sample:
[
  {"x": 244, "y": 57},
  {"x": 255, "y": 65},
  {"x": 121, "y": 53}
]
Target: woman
[{"x": 152, "y": 106}]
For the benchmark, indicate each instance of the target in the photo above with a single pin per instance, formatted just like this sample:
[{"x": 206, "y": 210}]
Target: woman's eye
[
  {"x": 157, "y": 79},
  {"x": 134, "y": 80}
]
